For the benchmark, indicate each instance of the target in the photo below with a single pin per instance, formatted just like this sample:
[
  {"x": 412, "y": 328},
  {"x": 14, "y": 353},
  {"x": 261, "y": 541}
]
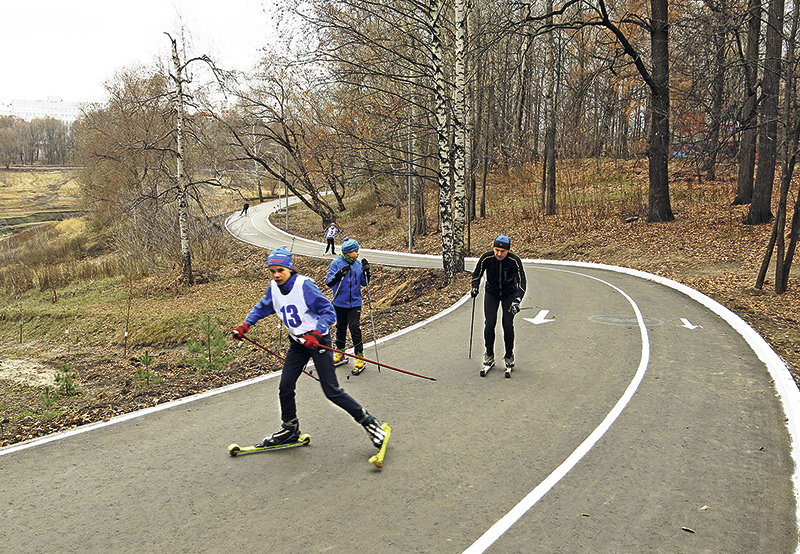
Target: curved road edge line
[
  {"x": 498, "y": 529},
  {"x": 785, "y": 385}
]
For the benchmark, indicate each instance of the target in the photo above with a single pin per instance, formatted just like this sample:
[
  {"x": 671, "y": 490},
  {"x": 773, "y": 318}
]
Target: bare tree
[
  {"x": 748, "y": 118},
  {"x": 761, "y": 206}
]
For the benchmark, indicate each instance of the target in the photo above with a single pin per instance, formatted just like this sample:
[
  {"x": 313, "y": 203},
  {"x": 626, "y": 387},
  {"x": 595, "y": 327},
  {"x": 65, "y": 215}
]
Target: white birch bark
[
  {"x": 181, "y": 180},
  {"x": 435, "y": 14}
]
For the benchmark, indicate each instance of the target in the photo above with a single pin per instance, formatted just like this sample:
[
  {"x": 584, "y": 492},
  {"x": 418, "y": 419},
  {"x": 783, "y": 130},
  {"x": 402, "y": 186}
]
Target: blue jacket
[
  {"x": 347, "y": 291},
  {"x": 315, "y": 300}
]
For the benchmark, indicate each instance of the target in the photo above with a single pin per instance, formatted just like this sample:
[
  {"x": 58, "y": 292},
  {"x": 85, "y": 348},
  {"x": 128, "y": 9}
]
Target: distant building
[{"x": 53, "y": 107}]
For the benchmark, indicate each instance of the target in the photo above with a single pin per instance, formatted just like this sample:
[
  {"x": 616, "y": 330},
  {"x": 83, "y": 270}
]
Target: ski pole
[
  {"x": 372, "y": 321},
  {"x": 471, "y": 325},
  {"x": 248, "y": 339},
  {"x": 377, "y": 363}
]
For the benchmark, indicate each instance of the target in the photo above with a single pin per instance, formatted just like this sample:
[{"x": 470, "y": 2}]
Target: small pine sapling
[
  {"x": 209, "y": 350},
  {"x": 65, "y": 380}
]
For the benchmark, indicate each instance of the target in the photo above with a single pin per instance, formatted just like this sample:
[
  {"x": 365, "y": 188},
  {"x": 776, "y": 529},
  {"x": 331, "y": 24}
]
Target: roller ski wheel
[
  {"x": 234, "y": 449},
  {"x": 486, "y": 368}
]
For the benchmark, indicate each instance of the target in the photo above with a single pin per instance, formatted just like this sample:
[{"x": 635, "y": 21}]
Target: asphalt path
[{"x": 641, "y": 417}]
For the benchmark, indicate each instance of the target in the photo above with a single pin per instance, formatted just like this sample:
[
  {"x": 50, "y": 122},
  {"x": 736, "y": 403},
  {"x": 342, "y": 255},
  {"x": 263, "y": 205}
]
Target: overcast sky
[{"x": 69, "y": 48}]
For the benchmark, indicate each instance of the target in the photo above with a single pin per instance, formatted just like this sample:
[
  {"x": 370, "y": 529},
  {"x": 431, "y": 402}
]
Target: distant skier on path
[{"x": 329, "y": 234}]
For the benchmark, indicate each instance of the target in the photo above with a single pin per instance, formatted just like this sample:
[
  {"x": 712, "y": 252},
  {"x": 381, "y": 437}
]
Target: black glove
[
  {"x": 474, "y": 292},
  {"x": 365, "y": 269},
  {"x": 514, "y": 308},
  {"x": 338, "y": 275}
]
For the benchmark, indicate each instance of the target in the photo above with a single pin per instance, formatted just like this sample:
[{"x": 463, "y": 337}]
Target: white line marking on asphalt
[
  {"x": 539, "y": 318},
  {"x": 503, "y": 525},
  {"x": 688, "y": 324}
]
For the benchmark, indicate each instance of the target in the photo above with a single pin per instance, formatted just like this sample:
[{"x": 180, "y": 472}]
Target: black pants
[
  {"x": 330, "y": 246},
  {"x": 490, "y": 305},
  {"x": 349, "y": 318},
  {"x": 296, "y": 359}
]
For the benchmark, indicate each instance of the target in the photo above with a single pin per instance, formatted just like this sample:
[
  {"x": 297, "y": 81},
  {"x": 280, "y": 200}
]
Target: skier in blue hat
[
  {"x": 346, "y": 275},
  {"x": 505, "y": 285},
  {"x": 308, "y": 316}
]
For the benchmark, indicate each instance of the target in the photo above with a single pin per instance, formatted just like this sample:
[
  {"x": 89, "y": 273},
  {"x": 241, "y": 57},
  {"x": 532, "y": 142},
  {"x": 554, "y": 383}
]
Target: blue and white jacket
[
  {"x": 347, "y": 291},
  {"x": 302, "y": 313}
]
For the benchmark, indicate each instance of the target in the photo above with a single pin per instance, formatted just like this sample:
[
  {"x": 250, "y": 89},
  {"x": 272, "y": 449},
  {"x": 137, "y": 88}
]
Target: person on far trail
[
  {"x": 308, "y": 316},
  {"x": 329, "y": 234},
  {"x": 346, "y": 275},
  {"x": 244, "y": 209},
  {"x": 505, "y": 285}
]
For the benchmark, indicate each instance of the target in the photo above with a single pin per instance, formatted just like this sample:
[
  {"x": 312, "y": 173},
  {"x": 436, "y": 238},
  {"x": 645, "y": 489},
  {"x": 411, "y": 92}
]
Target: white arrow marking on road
[
  {"x": 540, "y": 318},
  {"x": 688, "y": 324}
]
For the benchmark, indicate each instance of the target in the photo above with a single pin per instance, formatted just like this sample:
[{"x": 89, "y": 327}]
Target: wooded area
[{"x": 400, "y": 95}]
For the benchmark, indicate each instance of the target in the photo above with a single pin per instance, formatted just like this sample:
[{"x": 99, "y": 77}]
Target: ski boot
[
  {"x": 488, "y": 363},
  {"x": 374, "y": 430},
  {"x": 289, "y": 432},
  {"x": 338, "y": 357},
  {"x": 358, "y": 367},
  {"x": 509, "y": 361}
]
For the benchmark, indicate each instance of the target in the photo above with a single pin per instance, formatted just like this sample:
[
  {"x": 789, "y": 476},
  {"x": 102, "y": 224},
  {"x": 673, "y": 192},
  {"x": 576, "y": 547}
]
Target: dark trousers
[
  {"x": 490, "y": 305},
  {"x": 349, "y": 318},
  {"x": 331, "y": 246},
  {"x": 296, "y": 359}
]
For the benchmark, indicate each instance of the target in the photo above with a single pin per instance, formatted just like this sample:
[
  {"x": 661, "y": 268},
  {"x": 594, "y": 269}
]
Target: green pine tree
[{"x": 208, "y": 352}]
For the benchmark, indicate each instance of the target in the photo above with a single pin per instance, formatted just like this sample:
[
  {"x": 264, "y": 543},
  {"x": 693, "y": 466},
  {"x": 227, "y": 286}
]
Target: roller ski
[
  {"x": 379, "y": 433},
  {"x": 358, "y": 367},
  {"x": 488, "y": 363},
  {"x": 339, "y": 359},
  {"x": 287, "y": 437},
  {"x": 235, "y": 449},
  {"x": 509, "y": 361}
]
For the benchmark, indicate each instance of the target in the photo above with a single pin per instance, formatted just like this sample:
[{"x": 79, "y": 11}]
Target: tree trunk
[
  {"x": 460, "y": 137},
  {"x": 717, "y": 96},
  {"x": 659, "y": 208},
  {"x": 747, "y": 142},
  {"x": 761, "y": 206},
  {"x": 549, "y": 177},
  {"x": 442, "y": 135},
  {"x": 182, "y": 181},
  {"x": 783, "y": 256}
]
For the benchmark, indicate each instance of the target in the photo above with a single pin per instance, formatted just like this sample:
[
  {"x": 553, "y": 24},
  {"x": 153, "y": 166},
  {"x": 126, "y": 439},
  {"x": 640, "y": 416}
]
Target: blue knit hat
[
  {"x": 502, "y": 241},
  {"x": 349, "y": 245},
  {"x": 280, "y": 256}
]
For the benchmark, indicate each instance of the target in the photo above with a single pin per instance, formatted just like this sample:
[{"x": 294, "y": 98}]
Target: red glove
[
  {"x": 239, "y": 332},
  {"x": 312, "y": 340}
]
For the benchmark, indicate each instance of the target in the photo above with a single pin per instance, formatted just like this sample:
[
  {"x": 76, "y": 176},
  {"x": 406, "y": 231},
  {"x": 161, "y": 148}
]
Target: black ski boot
[
  {"x": 289, "y": 432},
  {"x": 374, "y": 429}
]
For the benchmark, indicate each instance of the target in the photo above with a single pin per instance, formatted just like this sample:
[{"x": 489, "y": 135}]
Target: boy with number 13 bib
[{"x": 308, "y": 316}]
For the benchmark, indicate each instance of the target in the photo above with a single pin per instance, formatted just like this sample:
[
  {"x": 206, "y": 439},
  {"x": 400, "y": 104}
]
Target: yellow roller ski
[{"x": 377, "y": 459}]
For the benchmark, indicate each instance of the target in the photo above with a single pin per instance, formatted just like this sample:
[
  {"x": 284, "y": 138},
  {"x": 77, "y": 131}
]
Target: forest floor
[{"x": 707, "y": 247}]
